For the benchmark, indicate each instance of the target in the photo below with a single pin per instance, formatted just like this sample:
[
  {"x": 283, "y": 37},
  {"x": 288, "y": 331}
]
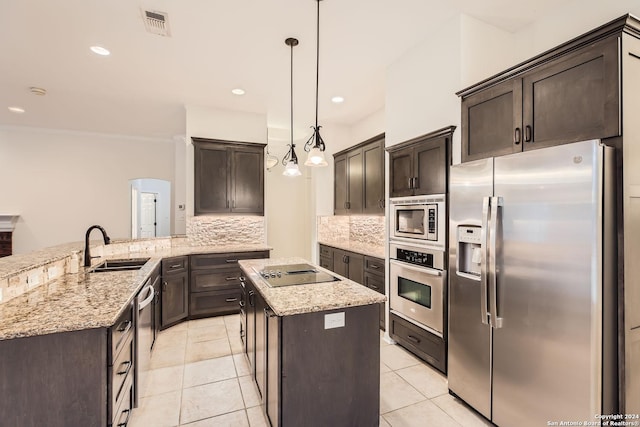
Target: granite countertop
[
  {"x": 86, "y": 300},
  {"x": 298, "y": 299},
  {"x": 358, "y": 247}
]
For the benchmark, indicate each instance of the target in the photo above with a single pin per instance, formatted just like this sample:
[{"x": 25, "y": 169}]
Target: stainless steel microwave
[{"x": 419, "y": 218}]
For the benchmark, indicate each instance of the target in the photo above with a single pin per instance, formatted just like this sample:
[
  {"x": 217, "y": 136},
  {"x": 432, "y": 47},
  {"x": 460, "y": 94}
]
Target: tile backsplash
[
  {"x": 207, "y": 230},
  {"x": 361, "y": 229}
]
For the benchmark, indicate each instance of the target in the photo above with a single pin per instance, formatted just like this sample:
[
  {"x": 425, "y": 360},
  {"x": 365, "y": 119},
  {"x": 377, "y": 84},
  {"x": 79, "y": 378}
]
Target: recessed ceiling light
[
  {"x": 337, "y": 100},
  {"x": 100, "y": 50},
  {"x": 17, "y": 110},
  {"x": 237, "y": 91},
  {"x": 38, "y": 91}
]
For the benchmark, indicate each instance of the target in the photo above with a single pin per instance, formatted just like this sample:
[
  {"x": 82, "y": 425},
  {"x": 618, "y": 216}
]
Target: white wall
[{"x": 60, "y": 182}]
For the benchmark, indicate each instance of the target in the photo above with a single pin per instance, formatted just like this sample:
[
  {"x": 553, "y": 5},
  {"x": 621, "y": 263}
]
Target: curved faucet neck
[{"x": 105, "y": 238}]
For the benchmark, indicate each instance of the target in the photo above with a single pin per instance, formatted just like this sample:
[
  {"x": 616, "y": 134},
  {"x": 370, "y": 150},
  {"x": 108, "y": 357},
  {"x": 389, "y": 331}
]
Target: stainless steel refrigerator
[{"x": 532, "y": 293}]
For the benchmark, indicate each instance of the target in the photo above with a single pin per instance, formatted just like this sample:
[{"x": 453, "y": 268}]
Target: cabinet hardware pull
[
  {"x": 413, "y": 339},
  {"x": 126, "y": 371},
  {"x": 527, "y": 133},
  {"x": 164, "y": 286},
  {"x": 176, "y": 266},
  {"x": 231, "y": 278},
  {"x": 516, "y": 136},
  {"x": 125, "y": 326},
  {"x": 373, "y": 287},
  {"x": 416, "y": 183},
  {"x": 348, "y": 205},
  {"x": 126, "y": 421},
  {"x": 374, "y": 266},
  {"x": 229, "y": 261},
  {"x": 227, "y": 204},
  {"x": 410, "y": 182},
  {"x": 346, "y": 259},
  {"x": 231, "y": 299}
]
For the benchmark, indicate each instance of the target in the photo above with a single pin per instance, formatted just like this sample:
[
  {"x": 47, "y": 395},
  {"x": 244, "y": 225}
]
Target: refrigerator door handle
[
  {"x": 485, "y": 256},
  {"x": 496, "y": 322}
]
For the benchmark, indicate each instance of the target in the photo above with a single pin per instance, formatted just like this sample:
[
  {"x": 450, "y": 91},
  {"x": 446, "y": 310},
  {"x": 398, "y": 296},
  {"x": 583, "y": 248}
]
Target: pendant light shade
[
  {"x": 315, "y": 145},
  {"x": 290, "y": 160}
]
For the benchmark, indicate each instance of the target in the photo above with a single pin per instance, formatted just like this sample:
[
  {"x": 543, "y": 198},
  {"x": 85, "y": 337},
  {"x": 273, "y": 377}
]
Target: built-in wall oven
[
  {"x": 419, "y": 220},
  {"x": 418, "y": 286}
]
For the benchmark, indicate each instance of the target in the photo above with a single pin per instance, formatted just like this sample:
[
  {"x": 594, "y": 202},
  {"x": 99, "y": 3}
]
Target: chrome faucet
[{"x": 87, "y": 255}]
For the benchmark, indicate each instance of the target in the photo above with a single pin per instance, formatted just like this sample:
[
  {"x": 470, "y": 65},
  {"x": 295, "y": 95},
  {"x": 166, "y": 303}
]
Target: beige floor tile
[
  {"x": 162, "y": 410},
  {"x": 169, "y": 356},
  {"x": 236, "y": 343},
  {"x": 208, "y": 371},
  {"x": 419, "y": 415},
  {"x": 396, "y": 357},
  {"x": 207, "y": 333},
  {"x": 425, "y": 379},
  {"x": 242, "y": 364},
  {"x": 460, "y": 412},
  {"x": 249, "y": 392},
  {"x": 179, "y": 327},
  {"x": 232, "y": 322},
  {"x": 384, "y": 368},
  {"x": 170, "y": 339},
  {"x": 163, "y": 380},
  {"x": 396, "y": 393},
  {"x": 202, "y": 323},
  {"x": 203, "y": 350},
  {"x": 256, "y": 417},
  {"x": 383, "y": 422},
  {"x": 210, "y": 400},
  {"x": 233, "y": 419}
]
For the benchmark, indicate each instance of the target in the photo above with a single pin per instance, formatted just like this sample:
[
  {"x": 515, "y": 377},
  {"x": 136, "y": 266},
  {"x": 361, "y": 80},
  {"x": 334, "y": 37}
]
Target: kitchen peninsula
[{"x": 313, "y": 348}]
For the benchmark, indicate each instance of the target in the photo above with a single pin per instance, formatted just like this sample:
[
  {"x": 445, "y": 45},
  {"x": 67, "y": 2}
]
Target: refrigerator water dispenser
[{"x": 469, "y": 251}]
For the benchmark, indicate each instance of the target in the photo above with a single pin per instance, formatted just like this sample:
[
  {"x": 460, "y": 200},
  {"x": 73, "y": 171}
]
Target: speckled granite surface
[
  {"x": 298, "y": 299},
  {"x": 354, "y": 246},
  {"x": 88, "y": 300}
]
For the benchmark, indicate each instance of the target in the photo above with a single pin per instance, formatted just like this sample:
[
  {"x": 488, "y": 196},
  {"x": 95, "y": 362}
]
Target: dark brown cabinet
[
  {"x": 359, "y": 178},
  {"x": 349, "y": 265},
  {"x": 215, "y": 283},
  {"x": 571, "y": 98},
  {"x": 229, "y": 177},
  {"x": 174, "y": 300},
  {"x": 419, "y": 166},
  {"x": 374, "y": 274}
]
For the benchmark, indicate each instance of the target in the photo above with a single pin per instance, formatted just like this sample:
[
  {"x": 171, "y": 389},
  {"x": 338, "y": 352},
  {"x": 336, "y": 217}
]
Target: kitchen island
[{"x": 313, "y": 348}]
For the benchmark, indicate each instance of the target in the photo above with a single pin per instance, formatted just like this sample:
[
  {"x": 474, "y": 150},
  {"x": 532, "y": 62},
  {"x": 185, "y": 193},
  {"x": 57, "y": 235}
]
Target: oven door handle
[{"x": 427, "y": 270}]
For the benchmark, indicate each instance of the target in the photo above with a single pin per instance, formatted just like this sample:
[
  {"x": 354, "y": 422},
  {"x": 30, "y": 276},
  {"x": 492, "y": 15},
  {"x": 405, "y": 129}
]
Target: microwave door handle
[
  {"x": 483, "y": 264},
  {"x": 496, "y": 322}
]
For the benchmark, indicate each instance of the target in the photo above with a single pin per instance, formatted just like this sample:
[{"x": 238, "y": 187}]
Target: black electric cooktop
[{"x": 294, "y": 274}]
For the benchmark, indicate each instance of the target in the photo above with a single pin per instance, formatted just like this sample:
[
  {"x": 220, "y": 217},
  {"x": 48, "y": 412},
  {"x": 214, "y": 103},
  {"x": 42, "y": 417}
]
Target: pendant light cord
[
  {"x": 292, "y": 96},
  {"x": 317, "y": 57}
]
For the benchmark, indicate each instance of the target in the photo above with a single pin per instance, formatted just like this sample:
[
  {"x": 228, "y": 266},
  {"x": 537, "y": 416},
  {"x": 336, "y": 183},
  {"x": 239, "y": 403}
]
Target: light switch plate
[{"x": 334, "y": 320}]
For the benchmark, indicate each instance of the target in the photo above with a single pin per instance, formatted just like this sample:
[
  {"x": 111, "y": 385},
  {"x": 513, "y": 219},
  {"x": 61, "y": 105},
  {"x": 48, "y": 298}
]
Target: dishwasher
[{"x": 144, "y": 336}]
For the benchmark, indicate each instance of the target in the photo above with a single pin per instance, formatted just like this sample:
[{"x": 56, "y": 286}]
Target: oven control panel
[
  {"x": 414, "y": 257},
  {"x": 432, "y": 222}
]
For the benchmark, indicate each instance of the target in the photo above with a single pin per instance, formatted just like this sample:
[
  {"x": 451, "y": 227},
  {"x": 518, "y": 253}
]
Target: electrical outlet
[{"x": 334, "y": 320}]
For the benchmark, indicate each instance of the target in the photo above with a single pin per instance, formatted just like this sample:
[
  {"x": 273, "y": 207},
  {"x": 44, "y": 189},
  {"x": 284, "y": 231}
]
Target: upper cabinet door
[
  {"x": 248, "y": 181},
  {"x": 401, "y": 173},
  {"x": 574, "y": 99},
  {"x": 229, "y": 177},
  {"x": 431, "y": 167},
  {"x": 211, "y": 179},
  {"x": 373, "y": 178},
  {"x": 492, "y": 121},
  {"x": 355, "y": 181},
  {"x": 340, "y": 185}
]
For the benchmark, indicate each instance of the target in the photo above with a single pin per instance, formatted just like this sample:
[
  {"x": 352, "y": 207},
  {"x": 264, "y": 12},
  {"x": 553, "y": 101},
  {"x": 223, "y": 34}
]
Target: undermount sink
[{"x": 120, "y": 265}]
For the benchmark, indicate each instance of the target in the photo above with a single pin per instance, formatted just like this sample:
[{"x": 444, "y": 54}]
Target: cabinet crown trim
[
  {"x": 360, "y": 145},
  {"x": 627, "y": 23},
  {"x": 231, "y": 144},
  {"x": 446, "y": 131}
]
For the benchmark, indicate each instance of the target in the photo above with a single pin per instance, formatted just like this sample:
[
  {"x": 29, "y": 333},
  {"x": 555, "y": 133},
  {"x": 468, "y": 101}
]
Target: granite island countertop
[
  {"x": 357, "y": 247},
  {"x": 84, "y": 300},
  {"x": 298, "y": 299}
]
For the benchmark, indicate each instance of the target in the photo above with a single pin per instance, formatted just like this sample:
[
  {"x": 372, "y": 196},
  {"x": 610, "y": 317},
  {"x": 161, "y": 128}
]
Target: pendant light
[
  {"x": 315, "y": 145},
  {"x": 290, "y": 159}
]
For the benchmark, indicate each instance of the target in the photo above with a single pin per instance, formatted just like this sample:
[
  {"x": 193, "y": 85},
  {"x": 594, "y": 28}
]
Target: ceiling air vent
[{"x": 156, "y": 22}]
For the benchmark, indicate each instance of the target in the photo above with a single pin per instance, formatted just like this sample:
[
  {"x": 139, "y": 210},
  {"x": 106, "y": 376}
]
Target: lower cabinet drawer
[
  {"x": 122, "y": 413},
  {"x": 214, "y": 279},
  {"x": 212, "y": 303},
  {"x": 374, "y": 282},
  {"x": 423, "y": 344},
  {"x": 326, "y": 262},
  {"x": 121, "y": 372},
  {"x": 121, "y": 332}
]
